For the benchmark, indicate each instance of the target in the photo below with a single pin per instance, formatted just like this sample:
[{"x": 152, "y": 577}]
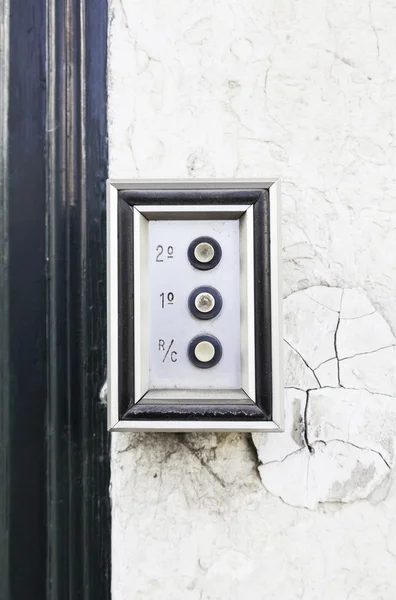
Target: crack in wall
[
  {"x": 205, "y": 464},
  {"x": 325, "y": 442},
  {"x": 369, "y": 352},
  {"x": 282, "y": 460},
  {"x": 321, "y": 304},
  {"x": 324, "y": 362},
  {"x": 334, "y": 468},
  {"x": 358, "y": 447},
  {"x": 311, "y": 502},
  {"x": 306, "y": 440},
  {"x": 335, "y": 339},
  {"x": 253, "y": 452},
  {"x": 335, "y": 348},
  {"x": 359, "y": 317},
  {"x": 363, "y": 389},
  {"x": 304, "y": 361}
]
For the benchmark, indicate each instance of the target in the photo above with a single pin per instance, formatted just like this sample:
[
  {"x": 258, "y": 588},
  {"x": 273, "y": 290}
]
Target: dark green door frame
[{"x": 54, "y": 447}]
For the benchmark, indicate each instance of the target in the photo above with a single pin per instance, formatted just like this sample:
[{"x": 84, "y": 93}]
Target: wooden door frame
[{"x": 54, "y": 446}]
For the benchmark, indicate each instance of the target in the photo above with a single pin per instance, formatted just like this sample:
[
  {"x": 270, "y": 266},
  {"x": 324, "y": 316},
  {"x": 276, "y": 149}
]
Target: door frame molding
[{"x": 54, "y": 447}]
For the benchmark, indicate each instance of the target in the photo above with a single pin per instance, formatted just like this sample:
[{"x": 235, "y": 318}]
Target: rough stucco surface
[{"x": 305, "y": 91}]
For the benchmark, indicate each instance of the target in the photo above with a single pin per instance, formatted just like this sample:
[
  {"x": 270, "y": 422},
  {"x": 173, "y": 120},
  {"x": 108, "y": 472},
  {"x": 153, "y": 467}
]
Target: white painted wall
[{"x": 304, "y": 90}]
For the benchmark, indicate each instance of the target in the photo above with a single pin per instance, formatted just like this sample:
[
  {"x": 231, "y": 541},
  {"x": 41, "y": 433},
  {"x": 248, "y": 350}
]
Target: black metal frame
[
  {"x": 54, "y": 447},
  {"x": 129, "y": 409}
]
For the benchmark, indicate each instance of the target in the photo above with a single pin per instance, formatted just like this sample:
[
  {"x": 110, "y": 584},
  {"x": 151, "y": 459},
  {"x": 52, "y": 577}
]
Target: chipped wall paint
[
  {"x": 339, "y": 439},
  {"x": 305, "y": 91}
]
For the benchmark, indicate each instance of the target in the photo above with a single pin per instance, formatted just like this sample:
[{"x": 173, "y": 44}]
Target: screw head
[{"x": 204, "y": 302}]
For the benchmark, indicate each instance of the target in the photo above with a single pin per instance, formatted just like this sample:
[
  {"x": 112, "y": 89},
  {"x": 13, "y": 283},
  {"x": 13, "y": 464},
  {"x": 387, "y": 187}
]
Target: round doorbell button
[
  {"x": 205, "y": 351},
  {"x": 205, "y": 302},
  {"x": 204, "y": 253}
]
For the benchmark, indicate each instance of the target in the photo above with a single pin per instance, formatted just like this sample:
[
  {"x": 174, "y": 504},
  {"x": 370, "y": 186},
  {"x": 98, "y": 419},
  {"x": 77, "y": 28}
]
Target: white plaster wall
[{"x": 304, "y": 90}]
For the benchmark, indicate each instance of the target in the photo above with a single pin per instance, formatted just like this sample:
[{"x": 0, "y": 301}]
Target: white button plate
[{"x": 171, "y": 280}]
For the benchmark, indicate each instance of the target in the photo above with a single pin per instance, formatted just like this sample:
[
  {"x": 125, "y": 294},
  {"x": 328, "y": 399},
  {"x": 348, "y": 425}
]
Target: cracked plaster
[
  {"x": 347, "y": 416},
  {"x": 305, "y": 91}
]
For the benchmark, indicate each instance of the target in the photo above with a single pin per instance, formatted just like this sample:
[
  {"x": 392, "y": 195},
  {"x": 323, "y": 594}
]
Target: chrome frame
[{"x": 247, "y": 333}]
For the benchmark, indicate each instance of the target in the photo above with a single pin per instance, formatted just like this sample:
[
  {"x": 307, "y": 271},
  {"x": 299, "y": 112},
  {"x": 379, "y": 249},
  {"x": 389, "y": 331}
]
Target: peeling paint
[{"x": 349, "y": 432}]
